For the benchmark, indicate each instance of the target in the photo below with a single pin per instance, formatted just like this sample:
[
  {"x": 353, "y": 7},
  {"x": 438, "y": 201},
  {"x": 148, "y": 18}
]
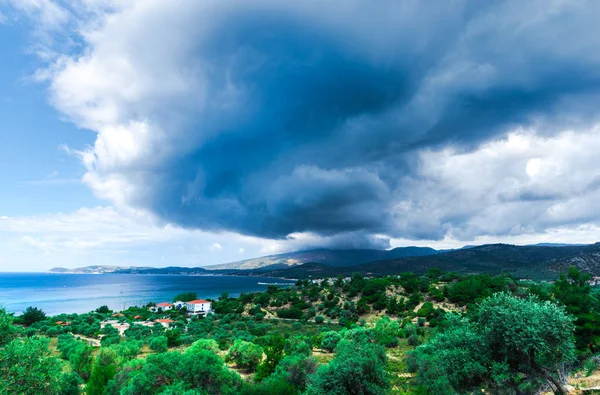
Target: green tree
[
  {"x": 528, "y": 337},
  {"x": 103, "y": 309},
  {"x": 203, "y": 344},
  {"x": 511, "y": 342},
  {"x": 159, "y": 344},
  {"x": 455, "y": 361},
  {"x": 273, "y": 350},
  {"x": 77, "y": 353},
  {"x": 574, "y": 291},
  {"x": 359, "y": 368},
  {"x": 176, "y": 373},
  {"x": 245, "y": 354},
  {"x": 26, "y": 367},
  {"x": 103, "y": 370},
  {"x": 7, "y": 329},
  {"x": 330, "y": 340},
  {"x": 387, "y": 332},
  {"x": 185, "y": 297},
  {"x": 33, "y": 315}
]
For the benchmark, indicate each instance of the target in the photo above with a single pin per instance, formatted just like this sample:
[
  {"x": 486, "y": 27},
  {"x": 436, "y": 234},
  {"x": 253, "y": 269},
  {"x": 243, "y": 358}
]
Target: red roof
[
  {"x": 164, "y": 320},
  {"x": 164, "y": 304},
  {"x": 137, "y": 316},
  {"x": 198, "y": 301}
]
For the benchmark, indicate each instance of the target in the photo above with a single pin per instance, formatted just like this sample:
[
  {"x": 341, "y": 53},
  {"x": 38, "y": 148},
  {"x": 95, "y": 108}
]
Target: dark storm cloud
[{"x": 308, "y": 115}]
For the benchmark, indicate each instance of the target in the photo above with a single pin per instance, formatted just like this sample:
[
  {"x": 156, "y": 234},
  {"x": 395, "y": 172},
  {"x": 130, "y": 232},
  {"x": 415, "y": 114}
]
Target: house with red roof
[
  {"x": 198, "y": 307},
  {"x": 166, "y": 322}
]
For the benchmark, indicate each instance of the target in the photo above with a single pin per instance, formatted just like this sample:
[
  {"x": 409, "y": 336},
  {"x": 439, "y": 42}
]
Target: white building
[
  {"x": 179, "y": 304},
  {"x": 164, "y": 306},
  {"x": 198, "y": 307}
]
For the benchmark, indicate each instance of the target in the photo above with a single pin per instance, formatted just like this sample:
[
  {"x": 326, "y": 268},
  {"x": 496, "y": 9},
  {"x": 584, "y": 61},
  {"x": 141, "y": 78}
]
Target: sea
[{"x": 81, "y": 293}]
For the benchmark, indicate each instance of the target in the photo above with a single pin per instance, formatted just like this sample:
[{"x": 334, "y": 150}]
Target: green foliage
[
  {"x": 103, "y": 370},
  {"x": 201, "y": 371},
  {"x": 77, "y": 353},
  {"x": 319, "y": 319},
  {"x": 185, "y": 297},
  {"x": 330, "y": 340},
  {"x": 511, "y": 342},
  {"x": 273, "y": 350},
  {"x": 203, "y": 344},
  {"x": 473, "y": 289},
  {"x": 292, "y": 313},
  {"x": 32, "y": 315},
  {"x": 111, "y": 336},
  {"x": 455, "y": 361},
  {"x": 387, "y": 332},
  {"x": 7, "y": 329},
  {"x": 246, "y": 355},
  {"x": 103, "y": 310},
  {"x": 26, "y": 367},
  {"x": 173, "y": 337},
  {"x": 358, "y": 368},
  {"x": 159, "y": 344},
  {"x": 575, "y": 293}
]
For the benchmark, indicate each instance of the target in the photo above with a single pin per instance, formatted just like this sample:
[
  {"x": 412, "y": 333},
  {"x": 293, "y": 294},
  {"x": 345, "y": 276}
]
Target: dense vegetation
[{"x": 439, "y": 333}]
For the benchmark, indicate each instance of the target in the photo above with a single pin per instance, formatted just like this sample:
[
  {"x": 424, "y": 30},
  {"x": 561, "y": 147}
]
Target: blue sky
[
  {"x": 144, "y": 132},
  {"x": 37, "y": 176}
]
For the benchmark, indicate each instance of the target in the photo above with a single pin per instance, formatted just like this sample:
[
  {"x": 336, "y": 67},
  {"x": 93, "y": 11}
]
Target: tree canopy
[{"x": 515, "y": 342}]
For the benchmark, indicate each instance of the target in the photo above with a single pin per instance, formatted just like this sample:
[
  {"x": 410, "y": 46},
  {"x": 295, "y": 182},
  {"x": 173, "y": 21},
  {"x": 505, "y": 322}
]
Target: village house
[
  {"x": 179, "y": 304},
  {"x": 166, "y": 322},
  {"x": 149, "y": 324},
  {"x": 164, "y": 306},
  {"x": 121, "y": 327},
  {"x": 198, "y": 307}
]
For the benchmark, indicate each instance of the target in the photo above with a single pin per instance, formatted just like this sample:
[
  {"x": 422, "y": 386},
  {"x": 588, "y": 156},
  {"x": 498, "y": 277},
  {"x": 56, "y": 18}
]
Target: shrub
[
  {"x": 159, "y": 344},
  {"x": 246, "y": 355},
  {"x": 330, "y": 340}
]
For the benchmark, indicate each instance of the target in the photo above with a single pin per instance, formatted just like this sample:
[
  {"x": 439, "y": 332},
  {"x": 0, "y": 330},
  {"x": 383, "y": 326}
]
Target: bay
[{"x": 80, "y": 293}]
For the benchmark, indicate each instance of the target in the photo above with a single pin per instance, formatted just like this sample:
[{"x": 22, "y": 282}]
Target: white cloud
[
  {"x": 215, "y": 247},
  {"x": 517, "y": 187},
  {"x": 106, "y": 235}
]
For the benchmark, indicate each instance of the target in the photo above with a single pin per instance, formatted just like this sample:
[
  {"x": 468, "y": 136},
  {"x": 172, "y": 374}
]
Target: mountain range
[
  {"x": 535, "y": 262},
  {"x": 330, "y": 257}
]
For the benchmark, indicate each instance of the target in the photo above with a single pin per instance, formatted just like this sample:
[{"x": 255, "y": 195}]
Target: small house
[
  {"x": 164, "y": 306},
  {"x": 166, "y": 322}
]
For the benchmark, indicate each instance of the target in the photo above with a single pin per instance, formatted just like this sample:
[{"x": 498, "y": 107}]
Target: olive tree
[
  {"x": 511, "y": 342},
  {"x": 359, "y": 368},
  {"x": 245, "y": 354}
]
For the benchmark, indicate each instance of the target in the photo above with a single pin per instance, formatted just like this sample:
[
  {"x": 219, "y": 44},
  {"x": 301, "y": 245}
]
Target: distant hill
[
  {"x": 330, "y": 257},
  {"x": 97, "y": 269},
  {"x": 535, "y": 262},
  {"x": 129, "y": 270}
]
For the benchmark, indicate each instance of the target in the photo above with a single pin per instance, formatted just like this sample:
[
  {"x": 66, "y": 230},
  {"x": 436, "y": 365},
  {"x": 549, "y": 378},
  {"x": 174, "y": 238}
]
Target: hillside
[
  {"x": 537, "y": 262},
  {"x": 330, "y": 257}
]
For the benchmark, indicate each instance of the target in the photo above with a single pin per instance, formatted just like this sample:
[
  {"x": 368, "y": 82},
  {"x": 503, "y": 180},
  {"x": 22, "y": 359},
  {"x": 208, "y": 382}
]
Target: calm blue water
[{"x": 80, "y": 293}]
